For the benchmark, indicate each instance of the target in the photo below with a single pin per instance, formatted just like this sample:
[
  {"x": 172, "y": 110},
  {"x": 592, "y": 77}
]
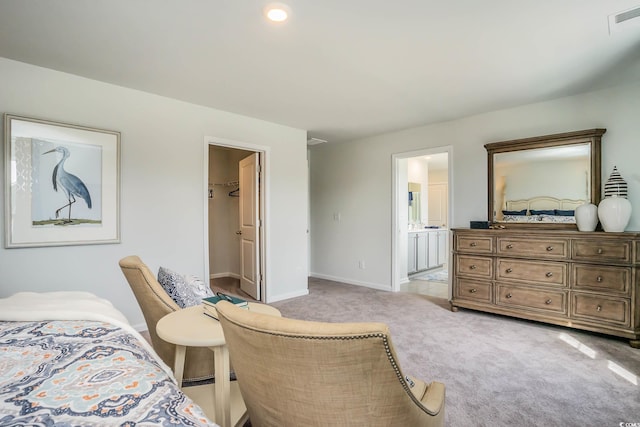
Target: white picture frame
[{"x": 62, "y": 184}]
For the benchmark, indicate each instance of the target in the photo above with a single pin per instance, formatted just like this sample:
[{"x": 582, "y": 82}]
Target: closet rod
[{"x": 226, "y": 184}]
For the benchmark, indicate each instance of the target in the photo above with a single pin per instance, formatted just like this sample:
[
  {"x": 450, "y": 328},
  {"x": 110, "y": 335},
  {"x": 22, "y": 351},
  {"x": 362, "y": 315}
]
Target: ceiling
[{"x": 340, "y": 69}]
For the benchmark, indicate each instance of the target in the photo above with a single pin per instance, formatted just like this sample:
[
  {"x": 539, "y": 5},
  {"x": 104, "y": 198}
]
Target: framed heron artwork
[{"x": 62, "y": 184}]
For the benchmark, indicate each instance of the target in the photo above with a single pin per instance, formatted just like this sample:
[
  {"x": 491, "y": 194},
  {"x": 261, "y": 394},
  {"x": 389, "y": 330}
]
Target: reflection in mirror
[
  {"x": 414, "y": 204},
  {"x": 543, "y": 180}
]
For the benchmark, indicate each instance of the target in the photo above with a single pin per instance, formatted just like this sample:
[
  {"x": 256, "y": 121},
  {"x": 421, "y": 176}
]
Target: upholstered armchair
[
  {"x": 156, "y": 303},
  {"x": 301, "y": 373}
]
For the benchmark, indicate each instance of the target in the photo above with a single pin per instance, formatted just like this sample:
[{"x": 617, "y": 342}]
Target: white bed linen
[{"x": 69, "y": 305}]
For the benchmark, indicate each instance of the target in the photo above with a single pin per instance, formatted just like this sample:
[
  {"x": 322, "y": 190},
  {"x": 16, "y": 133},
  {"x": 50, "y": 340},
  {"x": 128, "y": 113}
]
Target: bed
[
  {"x": 540, "y": 209},
  {"x": 71, "y": 358}
]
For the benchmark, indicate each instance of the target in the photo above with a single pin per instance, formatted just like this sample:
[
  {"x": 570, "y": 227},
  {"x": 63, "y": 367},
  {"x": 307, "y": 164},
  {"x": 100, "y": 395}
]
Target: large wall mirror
[{"x": 540, "y": 181}]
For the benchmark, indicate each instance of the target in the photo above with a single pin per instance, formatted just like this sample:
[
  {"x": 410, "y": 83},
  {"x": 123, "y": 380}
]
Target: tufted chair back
[
  {"x": 301, "y": 373},
  {"x": 156, "y": 303}
]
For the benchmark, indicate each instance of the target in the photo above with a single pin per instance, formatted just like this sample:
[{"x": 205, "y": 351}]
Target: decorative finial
[{"x": 615, "y": 185}]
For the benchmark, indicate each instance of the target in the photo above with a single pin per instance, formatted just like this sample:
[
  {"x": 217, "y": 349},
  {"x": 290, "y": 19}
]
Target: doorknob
[{"x": 239, "y": 232}]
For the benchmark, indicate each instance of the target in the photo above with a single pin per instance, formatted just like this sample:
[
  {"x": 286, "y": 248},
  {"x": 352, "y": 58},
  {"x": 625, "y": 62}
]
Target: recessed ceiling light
[{"x": 277, "y": 12}]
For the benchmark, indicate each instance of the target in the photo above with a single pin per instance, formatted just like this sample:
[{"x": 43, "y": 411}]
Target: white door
[
  {"x": 438, "y": 195},
  {"x": 249, "y": 225}
]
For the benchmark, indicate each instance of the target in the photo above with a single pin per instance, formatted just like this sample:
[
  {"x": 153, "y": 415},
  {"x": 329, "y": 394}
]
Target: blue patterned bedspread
[{"x": 85, "y": 373}]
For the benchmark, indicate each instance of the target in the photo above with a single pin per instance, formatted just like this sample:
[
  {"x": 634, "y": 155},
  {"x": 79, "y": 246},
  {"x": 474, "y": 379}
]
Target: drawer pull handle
[
  {"x": 472, "y": 267},
  {"x": 509, "y": 295},
  {"x": 473, "y": 244},
  {"x": 509, "y": 246},
  {"x": 599, "y": 308},
  {"x": 549, "y": 274},
  {"x": 473, "y": 291},
  {"x": 599, "y": 279},
  {"x": 599, "y": 251},
  {"x": 548, "y": 302},
  {"x": 508, "y": 270},
  {"x": 549, "y": 248}
]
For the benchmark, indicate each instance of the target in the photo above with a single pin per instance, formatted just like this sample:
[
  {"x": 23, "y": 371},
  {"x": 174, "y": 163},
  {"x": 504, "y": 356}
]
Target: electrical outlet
[
  {"x": 336, "y": 216},
  {"x": 361, "y": 265}
]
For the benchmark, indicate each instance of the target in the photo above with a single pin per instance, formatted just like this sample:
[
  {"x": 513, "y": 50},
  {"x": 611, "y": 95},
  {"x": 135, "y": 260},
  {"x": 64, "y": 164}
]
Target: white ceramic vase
[
  {"x": 587, "y": 217},
  {"x": 614, "y": 213}
]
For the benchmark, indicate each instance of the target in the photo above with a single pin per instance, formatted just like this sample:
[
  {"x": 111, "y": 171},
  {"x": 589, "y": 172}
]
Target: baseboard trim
[
  {"x": 281, "y": 297},
  {"x": 227, "y": 274},
  {"x": 377, "y": 286}
]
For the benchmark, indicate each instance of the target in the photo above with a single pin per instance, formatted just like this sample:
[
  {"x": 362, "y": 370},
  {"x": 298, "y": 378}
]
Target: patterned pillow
[
  {"x": 186, "y": 291},
  {"x": 543, "y": 212},
  {"x": 522, "y": 212}
]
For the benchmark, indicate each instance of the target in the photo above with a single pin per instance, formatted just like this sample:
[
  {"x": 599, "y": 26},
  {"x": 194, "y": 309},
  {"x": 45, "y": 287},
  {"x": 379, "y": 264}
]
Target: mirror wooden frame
[{"x": 593, "y": 137}]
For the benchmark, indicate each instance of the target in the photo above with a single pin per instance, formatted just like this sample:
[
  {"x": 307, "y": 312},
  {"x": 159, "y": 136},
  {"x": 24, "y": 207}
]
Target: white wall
[
  {"x": 162, "y": 187},
  {"x": 572, "y": 174},
  {"x": 355, "y": 178}
]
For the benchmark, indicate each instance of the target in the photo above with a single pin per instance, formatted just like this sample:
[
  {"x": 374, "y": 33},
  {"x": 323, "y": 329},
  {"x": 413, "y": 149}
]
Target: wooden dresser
[{"x": 583, "y": 280}]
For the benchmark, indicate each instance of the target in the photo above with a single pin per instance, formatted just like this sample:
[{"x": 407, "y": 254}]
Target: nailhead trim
[{"x": 387, "y": 348}]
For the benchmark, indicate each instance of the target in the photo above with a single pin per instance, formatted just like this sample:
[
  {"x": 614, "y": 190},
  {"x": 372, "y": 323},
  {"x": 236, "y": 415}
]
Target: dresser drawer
[
  {"x": 602, "y": 251},
  {"x": 534, "y": 272},
  {"x": 600, "y": 308},
  {"x": 602, "y": 278},
  {"x": 472, "y": 290},
  {"x": 475, "y": 266},
  {"x": 483, "y": 245},
  {"x": 539, "y": 299},
  {"x": 557, "y": 248}
]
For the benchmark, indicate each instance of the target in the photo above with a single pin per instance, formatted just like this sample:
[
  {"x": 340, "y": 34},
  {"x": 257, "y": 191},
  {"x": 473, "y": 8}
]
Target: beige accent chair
[
  {"x": 301, "y": 373},
  {"x": 155, "y": 303}
]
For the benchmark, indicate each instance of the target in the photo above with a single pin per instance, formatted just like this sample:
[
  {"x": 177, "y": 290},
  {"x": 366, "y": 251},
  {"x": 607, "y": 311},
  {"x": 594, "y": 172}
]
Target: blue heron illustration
[{"x": 71, "y": 184}]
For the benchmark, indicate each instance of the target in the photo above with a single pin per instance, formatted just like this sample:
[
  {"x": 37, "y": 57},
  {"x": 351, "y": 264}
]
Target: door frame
[
  {"x": 264, "y": 153},
  {"x": 397, "y": 226}
]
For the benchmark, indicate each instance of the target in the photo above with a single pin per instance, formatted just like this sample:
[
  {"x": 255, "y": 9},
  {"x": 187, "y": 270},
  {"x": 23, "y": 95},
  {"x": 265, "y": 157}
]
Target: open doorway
[
  {"x": 420, "y": 245},
  {"x": 235, "y": 210}
]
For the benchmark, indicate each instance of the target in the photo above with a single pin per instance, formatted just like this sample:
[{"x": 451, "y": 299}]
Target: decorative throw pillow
[
  {"x": 543, "y": 212},
  {"x": 186, "y": 291},
  {"x": 561, "y": 212},
  {"x": 522, "y": 212}
]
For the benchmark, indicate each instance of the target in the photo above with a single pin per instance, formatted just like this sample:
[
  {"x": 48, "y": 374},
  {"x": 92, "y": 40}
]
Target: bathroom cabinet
[{"x": 427, "y": 249}]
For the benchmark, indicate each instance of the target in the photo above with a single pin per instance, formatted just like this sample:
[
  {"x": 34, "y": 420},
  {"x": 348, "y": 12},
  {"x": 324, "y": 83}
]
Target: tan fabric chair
[
  {"x": 156, "y": 303},
  {"x": 301, "y": 373}
]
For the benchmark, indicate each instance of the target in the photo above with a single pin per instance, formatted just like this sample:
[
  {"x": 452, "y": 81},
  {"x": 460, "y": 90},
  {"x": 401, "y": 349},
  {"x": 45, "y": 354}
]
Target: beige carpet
[{"x": 498, "y": 371}]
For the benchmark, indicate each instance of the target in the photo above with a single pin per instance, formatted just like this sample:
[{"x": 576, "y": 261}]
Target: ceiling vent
[
  {"x": 315, "y": 141},
  {"x": 624, "y": 20}
]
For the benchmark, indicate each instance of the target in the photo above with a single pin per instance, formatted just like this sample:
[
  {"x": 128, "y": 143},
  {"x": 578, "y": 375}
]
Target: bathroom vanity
[{"x": 427, "y": 249}]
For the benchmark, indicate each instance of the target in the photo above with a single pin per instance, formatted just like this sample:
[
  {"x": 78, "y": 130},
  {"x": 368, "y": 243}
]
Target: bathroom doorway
[{"x": 422, "y": 212}]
